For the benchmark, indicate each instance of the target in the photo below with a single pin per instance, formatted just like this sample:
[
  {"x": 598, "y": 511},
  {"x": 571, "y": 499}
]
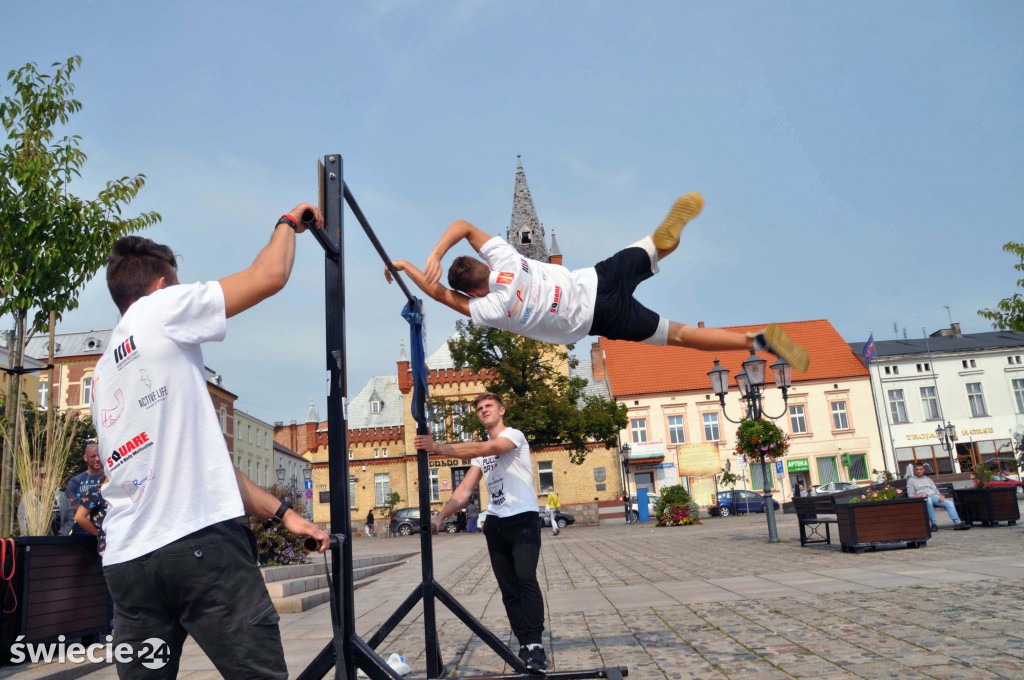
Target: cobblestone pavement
[{"x": 714, "y": 601}]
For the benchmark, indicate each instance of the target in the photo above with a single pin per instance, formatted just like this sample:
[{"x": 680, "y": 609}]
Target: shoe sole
[
  {"x": 781, "y": 346},
  {"x": 666, "y": 236}
]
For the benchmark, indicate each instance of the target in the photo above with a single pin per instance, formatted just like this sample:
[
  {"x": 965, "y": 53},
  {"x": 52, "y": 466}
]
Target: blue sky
[{"x": 857, "y": 159}]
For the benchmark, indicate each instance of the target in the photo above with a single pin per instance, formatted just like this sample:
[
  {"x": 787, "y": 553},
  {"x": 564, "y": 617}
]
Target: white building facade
[{"x": 254, "y": 449}]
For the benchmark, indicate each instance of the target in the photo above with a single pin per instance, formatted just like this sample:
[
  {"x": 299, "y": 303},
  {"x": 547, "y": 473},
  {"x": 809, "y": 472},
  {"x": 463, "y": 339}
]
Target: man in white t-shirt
[
  {"x": 512, "y": 529},
  {"x": 550, "y": 303},
  {"x": 177, "y": 562}
]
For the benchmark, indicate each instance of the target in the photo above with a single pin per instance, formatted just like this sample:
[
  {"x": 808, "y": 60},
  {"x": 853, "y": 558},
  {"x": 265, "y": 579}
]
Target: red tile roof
[{"x": 635, "y": 368}]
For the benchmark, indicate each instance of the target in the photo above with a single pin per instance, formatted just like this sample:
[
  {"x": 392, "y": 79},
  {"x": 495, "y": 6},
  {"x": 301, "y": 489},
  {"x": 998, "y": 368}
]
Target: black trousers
[
  {"x": 514, "y": 547},
  {"x": 206, "y": 585}
]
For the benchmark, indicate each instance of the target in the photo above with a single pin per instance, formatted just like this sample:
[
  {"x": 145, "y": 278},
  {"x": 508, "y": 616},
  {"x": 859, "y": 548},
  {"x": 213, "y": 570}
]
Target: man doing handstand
[{"x": 550, "y": 303}]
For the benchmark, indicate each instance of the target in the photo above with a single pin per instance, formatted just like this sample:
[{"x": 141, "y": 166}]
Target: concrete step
[{"x": 299, "y": 587}]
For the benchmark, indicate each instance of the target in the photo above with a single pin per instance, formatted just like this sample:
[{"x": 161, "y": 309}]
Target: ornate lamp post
[
  {"x": 751, "y": 383},
  {"x": 280, "y": 474},
  {"x": 624, "y": 453},
  {"x": 946, "y": 436},
  {"x": 307, "y": 474}
]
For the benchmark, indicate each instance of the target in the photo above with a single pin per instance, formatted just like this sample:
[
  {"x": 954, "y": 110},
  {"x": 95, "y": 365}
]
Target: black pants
[
  {"x": 514, "y": 547},
  {"x": 206, "y": 585}
]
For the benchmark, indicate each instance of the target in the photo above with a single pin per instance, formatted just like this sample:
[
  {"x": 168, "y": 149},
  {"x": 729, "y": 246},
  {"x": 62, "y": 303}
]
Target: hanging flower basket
[{"x": 757, "y": 438}]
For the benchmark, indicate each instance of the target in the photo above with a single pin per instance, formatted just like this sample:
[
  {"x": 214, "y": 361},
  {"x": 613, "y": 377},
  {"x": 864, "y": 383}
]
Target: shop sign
[
  {"x": 442, "y": 462},
  {"x": 798, "y": 465}
]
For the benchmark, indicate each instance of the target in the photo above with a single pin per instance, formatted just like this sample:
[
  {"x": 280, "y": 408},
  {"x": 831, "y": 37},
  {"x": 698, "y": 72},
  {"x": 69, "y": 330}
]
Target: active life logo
[{"x": 153, "y": 653}]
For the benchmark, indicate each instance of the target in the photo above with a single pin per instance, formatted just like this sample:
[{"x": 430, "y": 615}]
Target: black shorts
[{"x": 617, "y": 314}]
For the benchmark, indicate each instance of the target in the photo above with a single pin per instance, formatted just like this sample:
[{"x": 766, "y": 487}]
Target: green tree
[
  {"x": 543, "y": 402},
  {"x": 1009, "y": 313},
  {"x": 51, "y": 241}
]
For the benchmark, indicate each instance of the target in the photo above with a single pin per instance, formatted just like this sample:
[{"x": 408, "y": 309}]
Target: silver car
[{"x": 832, "y": 487}]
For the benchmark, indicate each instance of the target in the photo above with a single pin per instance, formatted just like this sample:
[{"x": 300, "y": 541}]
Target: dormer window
[
  {"x": 376, "y": 406},
  {"x": 526, "y": 237}
]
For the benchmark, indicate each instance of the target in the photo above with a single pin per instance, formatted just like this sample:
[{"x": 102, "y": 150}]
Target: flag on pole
[{"x": 869, "y": 348}]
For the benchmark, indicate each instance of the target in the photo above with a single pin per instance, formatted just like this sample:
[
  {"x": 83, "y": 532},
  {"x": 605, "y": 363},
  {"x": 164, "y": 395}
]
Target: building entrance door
[
  {"x": 800, "y": 478},
  {"x": 645, "y": 480}
]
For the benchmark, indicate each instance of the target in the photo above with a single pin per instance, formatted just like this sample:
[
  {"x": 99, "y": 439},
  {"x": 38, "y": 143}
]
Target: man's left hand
[
  {"x": 423, "y": 442},
  {"x": 300, "y": 526}
]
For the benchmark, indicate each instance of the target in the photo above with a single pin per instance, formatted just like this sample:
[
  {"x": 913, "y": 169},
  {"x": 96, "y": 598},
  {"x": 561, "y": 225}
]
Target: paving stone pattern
[{"x": 714, "y": 601}]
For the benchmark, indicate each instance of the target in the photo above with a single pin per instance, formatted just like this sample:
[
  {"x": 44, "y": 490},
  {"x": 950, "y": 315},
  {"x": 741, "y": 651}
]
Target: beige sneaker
[
  {"x": 666, "y": 236},
  {"x": 781, "y": 346}
]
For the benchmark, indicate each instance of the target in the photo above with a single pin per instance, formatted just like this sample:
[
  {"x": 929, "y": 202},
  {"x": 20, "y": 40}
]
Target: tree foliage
[
  {"x": 541, "y": 400},
  {"x": 1009, "y": 312},
  {"x": 52, "y": 242}
]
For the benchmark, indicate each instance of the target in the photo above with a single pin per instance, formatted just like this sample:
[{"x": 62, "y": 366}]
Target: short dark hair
[
  {"x": 467, "y": 273},
  {"x": 489, "y": 395},
  {"x": 134, "y": 264}
]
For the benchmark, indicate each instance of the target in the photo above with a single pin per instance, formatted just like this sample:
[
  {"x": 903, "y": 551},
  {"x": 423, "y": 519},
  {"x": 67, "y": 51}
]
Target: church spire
[{"x": 525, "y": 231}]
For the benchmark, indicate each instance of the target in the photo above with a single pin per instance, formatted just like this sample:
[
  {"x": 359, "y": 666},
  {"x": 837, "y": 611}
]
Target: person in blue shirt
[{"x": 82, "y": 484}]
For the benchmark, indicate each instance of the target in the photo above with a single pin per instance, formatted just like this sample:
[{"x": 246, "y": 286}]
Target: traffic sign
[
  {"x": 778, "y": 467},
  {"x": 309, "y": 484},
  {"x": 309, "y": 494}
]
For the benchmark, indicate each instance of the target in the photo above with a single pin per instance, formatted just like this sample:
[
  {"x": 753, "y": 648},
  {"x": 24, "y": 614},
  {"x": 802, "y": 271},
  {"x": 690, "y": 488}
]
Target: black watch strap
[{"x": 285, "y": 506}]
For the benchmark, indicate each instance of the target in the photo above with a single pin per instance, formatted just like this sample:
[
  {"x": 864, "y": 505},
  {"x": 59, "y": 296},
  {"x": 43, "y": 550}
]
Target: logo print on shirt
[
  {"x": 505, "y": 278},
  {"x": 136, "y": 487},
  {"x": 125, "y": 353},
  {"x": 154, "y": 397},
  {"x": 526, "y": 267},
  {"x": 519, "y": 302},
  {"x": 109, "y": 416},
  {"x": 129, "y": 449},
  {"x": 558, "y": 297},
  {"x": 532, "y": 304},
  {"x": 144, "y": 377}
]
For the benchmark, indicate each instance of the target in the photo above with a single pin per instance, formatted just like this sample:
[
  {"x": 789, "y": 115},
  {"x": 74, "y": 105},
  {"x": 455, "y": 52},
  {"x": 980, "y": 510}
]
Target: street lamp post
[
  {"x": 307, "y": 474},
  {"x": 624, "y": 452},
  {"x": 946, "y": 436},
  {"x": 280, "y": 474},
  {"x": 751, "y": 384}
]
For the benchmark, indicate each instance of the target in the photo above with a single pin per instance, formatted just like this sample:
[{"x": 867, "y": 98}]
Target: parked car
[
  {"x": 561, "y": 519},
  {"x": 406, "y": 521},
  {"x": 831, "y": 488},
  {"x": 1002, "y": 482},
  {"x": 634, "y": 509},
  {"x": 739, "y": 502}
]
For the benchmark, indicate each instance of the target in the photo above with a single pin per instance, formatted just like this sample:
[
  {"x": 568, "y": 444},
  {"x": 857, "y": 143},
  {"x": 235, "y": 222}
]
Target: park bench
[{"x": 815, "y": 513}]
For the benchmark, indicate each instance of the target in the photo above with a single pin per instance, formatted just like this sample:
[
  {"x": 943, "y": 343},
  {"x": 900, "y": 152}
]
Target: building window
[
  {"x": 933, "y": 457},
  {"x": 639, "y": 429},
  {"x": 87, "y": 391},
  {"x": 44, "y": 394},
  {"x": 248, "y": 430},
  {"x": 381, "y": 488},
  {"x": 757, "y": 475},
  {"x": 888, "y": 370},
  {"x": 435, "y": 416},
  {"x": 376, "y": 406},
  {"x": 892, "y": 370},
  {"x": 676, "y": 434},
  {"x": 459, "y": 432},
  {"x": 859, "y": 466},
  {"x": 969, "y": 363},
  {"x": 923, "y": 368},
  {"x": 545, "y": 475},
  {"x": 977, "y": 400},
  {"x": 351, "y": 493},
  {"x": 376, "y": 453},
  {"x": 827, "y": 470},
  {"x": 840, "y": 421},
  {"x": 898, "y": 407},
  {"x": 1018, "y": 394},
  {"x": 223, "y": 420},
  {"x": 929, "y": 403},
  {"x": 384, "y": 452},
  {"x": 1013, "y": 360},
  {"x": 797, "y": 419},
  {"x": 435, "y": 485},
  {"x": 711, "y": 431}
]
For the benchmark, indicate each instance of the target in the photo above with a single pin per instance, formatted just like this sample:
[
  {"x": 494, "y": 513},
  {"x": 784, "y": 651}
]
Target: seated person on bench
[{"x": 920, "y": 486}]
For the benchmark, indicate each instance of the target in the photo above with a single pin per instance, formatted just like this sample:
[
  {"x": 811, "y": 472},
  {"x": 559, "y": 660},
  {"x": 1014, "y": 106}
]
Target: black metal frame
[{"x": 348, "y": 651}]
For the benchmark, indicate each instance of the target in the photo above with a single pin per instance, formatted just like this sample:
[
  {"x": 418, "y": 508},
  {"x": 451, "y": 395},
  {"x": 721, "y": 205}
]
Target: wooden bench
[{"x": 809, "y": 511}]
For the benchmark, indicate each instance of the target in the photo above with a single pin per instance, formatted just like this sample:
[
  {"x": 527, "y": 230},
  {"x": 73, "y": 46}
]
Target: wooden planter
[
  {"x": 988, "y": 506},
  {"x": 883, "y": 523},
  {"x": 60, "y": 588}
]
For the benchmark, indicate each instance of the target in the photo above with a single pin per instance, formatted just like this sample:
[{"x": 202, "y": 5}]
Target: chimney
[
  {"x": 597, "y": 361},
  {"x": 700, "y": 324},
  {"x": 955, "y": 328}
]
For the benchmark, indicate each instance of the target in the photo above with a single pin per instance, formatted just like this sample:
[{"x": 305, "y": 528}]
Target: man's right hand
[
  {"x": 423, "y": 442},
  {"x": 435, "y": 526},
  {"x": 297, "y": 212},
  {"x": 399, "y": 266}
]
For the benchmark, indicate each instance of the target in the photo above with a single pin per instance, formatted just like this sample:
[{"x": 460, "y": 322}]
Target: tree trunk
[
  {"x": 50, "y": 406},
  {"x": 14, "y": 406},
  {"x": 7, "y": 465}
]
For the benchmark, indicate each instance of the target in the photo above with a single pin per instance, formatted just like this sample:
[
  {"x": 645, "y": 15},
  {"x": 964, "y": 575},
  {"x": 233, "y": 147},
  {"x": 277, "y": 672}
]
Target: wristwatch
[{"x": 285, "y": 506}]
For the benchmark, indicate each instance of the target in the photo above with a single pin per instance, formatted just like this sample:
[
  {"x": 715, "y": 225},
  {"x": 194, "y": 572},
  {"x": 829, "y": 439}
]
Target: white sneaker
[{"x": 556, "y": 531}]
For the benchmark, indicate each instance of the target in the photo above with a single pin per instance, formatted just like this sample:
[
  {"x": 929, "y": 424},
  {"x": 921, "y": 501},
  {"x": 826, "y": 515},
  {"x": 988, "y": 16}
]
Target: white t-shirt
[
  {"x": 161, "y": 443},
  {"x": 509, "y": 477},
  {"x": 543, "y": 301}
]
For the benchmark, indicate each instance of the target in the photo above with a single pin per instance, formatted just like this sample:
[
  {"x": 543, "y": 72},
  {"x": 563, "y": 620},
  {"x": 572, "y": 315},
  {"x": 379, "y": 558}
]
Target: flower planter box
[
  {"x": 60, "y": 588},
  {"x": 988, "y": 506},
  {"x": 883, "y": 523}
]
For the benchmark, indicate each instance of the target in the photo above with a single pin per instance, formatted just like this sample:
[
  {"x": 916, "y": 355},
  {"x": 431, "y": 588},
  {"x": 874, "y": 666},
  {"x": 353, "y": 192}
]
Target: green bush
[{"x": 273, "y": 543}]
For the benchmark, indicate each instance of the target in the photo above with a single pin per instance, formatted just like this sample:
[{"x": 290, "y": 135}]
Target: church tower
[{"x": 525, "y": 232}]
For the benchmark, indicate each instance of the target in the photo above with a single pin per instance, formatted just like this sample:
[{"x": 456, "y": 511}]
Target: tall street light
[
  {"x": 946, "y": 436},
  {"x": 307, "y": 474},
  {"x": 751, "y": 383},
  {"x": 624, "y": 455}
]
